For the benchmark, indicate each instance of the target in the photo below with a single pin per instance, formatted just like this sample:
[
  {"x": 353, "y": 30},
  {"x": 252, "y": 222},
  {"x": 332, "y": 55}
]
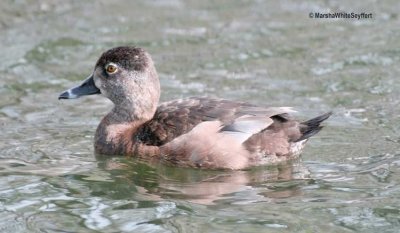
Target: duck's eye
[{"x": 111, "y": 68}]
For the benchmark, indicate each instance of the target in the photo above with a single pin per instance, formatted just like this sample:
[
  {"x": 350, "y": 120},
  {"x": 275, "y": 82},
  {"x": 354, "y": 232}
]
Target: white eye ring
[{"x": 111, "y": 68}]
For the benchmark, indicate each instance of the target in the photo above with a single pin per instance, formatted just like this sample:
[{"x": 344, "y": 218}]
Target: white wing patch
[{"x": 246, "y": 126}]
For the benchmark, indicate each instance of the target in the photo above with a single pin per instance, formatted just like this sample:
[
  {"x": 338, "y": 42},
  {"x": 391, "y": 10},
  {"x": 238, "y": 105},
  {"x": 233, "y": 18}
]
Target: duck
[{"x": 196, "y": 132}]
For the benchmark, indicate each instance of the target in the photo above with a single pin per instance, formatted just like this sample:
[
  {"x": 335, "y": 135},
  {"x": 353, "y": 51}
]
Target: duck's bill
[{"x": 86, "y": 88}]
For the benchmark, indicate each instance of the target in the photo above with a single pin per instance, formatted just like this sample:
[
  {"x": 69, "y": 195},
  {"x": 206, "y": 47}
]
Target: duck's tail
[{"x": 311, "y": 127}]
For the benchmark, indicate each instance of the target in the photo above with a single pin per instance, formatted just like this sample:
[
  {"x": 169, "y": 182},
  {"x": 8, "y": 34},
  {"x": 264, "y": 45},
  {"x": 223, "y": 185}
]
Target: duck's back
[
  {"x": 217, "y": 133},
  {"x": 177, "y": 117}
]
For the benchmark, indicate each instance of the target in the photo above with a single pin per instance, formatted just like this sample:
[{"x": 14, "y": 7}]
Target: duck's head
[{"x": 126, "y": 76}]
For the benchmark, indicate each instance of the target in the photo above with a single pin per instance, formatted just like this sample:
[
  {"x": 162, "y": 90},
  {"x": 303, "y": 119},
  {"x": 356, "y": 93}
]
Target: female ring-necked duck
[{"x": 193, "y": 132}]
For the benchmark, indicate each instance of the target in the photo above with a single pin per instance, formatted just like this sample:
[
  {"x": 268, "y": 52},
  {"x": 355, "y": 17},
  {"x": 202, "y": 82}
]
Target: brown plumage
[{"x": 192, "y": 132}]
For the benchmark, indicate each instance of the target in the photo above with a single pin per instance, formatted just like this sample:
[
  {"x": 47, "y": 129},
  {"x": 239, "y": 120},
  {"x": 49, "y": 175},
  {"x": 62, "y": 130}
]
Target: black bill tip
[{"x": 67, "y": 95}]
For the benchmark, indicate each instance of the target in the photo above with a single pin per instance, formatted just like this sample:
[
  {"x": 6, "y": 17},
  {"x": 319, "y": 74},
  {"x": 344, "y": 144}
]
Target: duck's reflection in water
[{"x": 159, "y": 182}]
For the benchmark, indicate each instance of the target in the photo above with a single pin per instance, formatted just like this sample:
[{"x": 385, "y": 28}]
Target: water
[{"x": 267, "y": 53}]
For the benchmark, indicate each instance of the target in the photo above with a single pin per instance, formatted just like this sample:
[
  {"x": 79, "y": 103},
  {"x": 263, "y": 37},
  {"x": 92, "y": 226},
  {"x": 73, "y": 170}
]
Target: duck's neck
[
  {"x": 135, "y": 104},
  {"x": 115, "y": 134}
]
